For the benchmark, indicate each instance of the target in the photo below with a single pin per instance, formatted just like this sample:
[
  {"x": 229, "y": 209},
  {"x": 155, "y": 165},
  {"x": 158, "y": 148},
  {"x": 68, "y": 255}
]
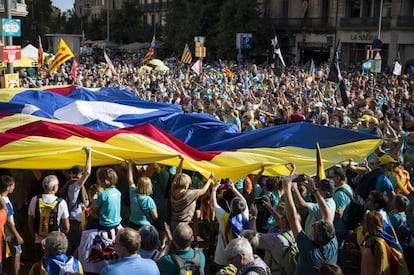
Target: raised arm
[
  {"x": 179, "y": 169},
  {"x": 323, "y": 207},
  {"x": 203, "y": 190},
  {"x": 300, "y": 200},
  {"x": 88, "y": 165},
  {"x": 130, "y": 173},
  {"x": 291, "y": 213},
  {"x": 213, "y": 197}
]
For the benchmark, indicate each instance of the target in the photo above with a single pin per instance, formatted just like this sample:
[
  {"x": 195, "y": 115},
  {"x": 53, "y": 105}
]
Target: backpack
[
  {"x": 71, "y": 266},
  {"x": 290, "y": 256},
  {"x": 186, "y": 265},
  {"x": 356, "y": 209},
  {"x": 46, "y": 216},
  {"x": 367, "y": 183},
  {"x": 258, "y": 269},
  {"x": 82, "y": 197}
]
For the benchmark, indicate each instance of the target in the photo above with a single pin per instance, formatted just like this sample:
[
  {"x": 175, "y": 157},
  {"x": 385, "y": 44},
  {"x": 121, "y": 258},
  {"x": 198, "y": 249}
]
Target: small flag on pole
[
  {"x": 226, "y": 70},
  {"x": 336, "y": 76},
  {"x": 276, "y": 50},
  {"x": 245, "y": 87},
  {"x": 151, "y": 50},
  {"x": 197, "y": 66},
  {"x": 397, "y": 65},
  {"x": 186, "y": 58},
  {"x": 320, "y": 170},
  {"x": 63, "y": 54},
  {"x": 312, "y": 69},
  {"x": 110, "y": 65},
  {"x": 40, "y": 53}
]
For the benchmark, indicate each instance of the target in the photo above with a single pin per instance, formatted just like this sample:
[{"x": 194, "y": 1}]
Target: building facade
[
  {"x": 18, "y": 8},
  {"x": 154, "y": 10},
  {"x": 311, "y": 29}
]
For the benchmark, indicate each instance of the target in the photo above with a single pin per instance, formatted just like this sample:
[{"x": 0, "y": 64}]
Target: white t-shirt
[{"x": 63, "y": 212}]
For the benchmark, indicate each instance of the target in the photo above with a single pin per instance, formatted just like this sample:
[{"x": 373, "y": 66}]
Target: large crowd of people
[{"x": 147, "y": 218}]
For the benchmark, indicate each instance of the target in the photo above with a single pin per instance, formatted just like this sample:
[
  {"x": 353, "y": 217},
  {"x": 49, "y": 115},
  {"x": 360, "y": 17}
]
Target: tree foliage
[{"x": 218, "y": 21}]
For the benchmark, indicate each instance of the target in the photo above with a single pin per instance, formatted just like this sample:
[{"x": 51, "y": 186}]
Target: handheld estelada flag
[
  {"x": 150, "y": 52},
  {"x": 110, "y": 65},
  {"x": 40, "y": 53},
  {"x": 63, "y": 54},
  {"x": 186, "y": 57},
  {"x": 320, "y": 170}
]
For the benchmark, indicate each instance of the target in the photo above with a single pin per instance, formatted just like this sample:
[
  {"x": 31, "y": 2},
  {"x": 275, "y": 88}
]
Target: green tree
[
  {"x": 127, "y": 24},
  {"x": 218, "y": 21}
]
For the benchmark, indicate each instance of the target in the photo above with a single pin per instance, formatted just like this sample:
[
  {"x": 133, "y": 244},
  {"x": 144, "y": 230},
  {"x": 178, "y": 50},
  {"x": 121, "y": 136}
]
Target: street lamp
[{"x": 107, "y": 21}]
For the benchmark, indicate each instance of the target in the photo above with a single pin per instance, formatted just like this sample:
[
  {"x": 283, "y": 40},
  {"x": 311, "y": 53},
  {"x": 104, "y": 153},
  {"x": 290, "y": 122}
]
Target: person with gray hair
[
  {"x": 127, "y": 244},
  {"x": 55, "y": 260},
  {"x": 239, "y": 253},
  {"x": 150, "y": 242},
  {"x": 47, "y": 213}
]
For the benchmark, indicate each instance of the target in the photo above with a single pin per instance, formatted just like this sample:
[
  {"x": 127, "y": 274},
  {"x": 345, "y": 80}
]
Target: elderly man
[
  {"x": 47, "y": 213},
  {"x": 56, "y": 261},
  {"x": 127, "y": 244},
  {"x": 239, "y": 253}
]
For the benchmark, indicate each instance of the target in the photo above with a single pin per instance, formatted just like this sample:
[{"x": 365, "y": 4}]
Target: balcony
[
  {"x": 163, "y": 6},
  {"x": 17, "y": 9},
  {"x": 304, "y": 24},
  {"x": 365, "y": 23},
  {"x": 406, "y": 22}
]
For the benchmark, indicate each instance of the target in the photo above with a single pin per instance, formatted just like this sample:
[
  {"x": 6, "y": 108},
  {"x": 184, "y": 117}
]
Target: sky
[{"x": 63, "y": 5}]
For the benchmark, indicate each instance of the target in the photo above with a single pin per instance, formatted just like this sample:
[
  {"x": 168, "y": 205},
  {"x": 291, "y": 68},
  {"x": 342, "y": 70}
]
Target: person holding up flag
[{"x": 63, "y": 54}]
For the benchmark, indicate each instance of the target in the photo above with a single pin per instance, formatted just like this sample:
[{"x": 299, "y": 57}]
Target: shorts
[{"x": 15, "y": 248}]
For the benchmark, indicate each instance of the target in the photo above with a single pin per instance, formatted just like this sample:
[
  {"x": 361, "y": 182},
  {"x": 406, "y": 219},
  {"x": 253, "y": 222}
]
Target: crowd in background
[{"x": 307, "y": 213}]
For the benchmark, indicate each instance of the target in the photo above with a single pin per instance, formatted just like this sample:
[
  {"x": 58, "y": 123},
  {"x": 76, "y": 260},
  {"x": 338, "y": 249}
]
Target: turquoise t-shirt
[
  {"x": 342, "y": 202},
  {"x": 109, "y": 203},
  {"x": 398, "y": 219},
  {"x": 139, "y": 204},
  {"x": 311, "y": 255},
  {"x": 168, "y": 266}
]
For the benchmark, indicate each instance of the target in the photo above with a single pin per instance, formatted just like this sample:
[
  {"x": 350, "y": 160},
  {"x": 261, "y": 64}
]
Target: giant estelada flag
[{"x": 47, "y": 128}]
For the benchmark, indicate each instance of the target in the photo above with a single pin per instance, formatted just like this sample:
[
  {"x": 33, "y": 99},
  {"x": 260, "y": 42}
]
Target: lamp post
[
  {"x": 7, "y": 8},
  {"x": 380, "y": 19},
  {"x": 107, "y": 21}
]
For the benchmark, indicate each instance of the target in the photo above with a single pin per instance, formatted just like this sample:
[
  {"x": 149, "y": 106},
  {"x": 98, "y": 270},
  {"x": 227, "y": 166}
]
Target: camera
[
  {"x": 300, "y": 178},
  {"x": 224, "y": 181},
  {"x": 258, "y": 200}
]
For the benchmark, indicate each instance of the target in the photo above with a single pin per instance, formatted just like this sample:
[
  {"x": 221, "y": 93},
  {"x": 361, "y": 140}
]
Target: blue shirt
[
  {"x": 132, "y": 265},
  {"x": 109, "y": 203},
  {"x": 168, "y": 266},
  {"x": 342, "y": 202},
  {"x": 311, "y": 255}
]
